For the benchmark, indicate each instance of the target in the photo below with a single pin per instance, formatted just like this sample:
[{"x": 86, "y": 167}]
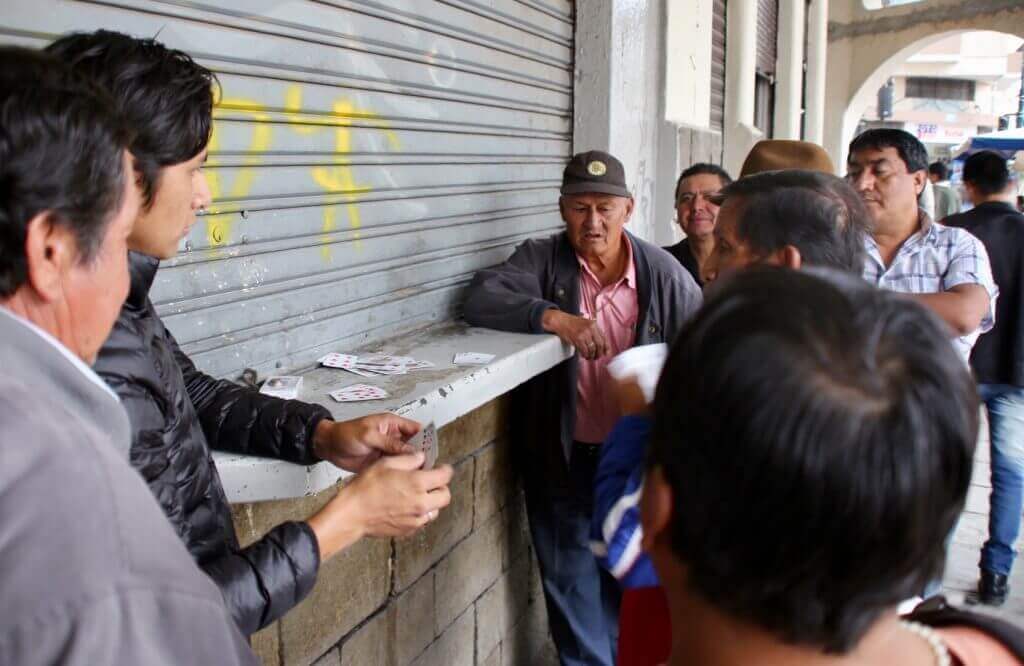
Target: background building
[{"x": 960, "y": 86}]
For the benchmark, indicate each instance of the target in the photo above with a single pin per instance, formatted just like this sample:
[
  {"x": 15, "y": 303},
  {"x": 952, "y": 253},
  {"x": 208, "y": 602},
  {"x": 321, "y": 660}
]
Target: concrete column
[
  {"x": 740, "y": 63},
  {"x": 817, "y": 61},
  {"x": 619, "y": 93},
  {"x": 789, "y": 70}
]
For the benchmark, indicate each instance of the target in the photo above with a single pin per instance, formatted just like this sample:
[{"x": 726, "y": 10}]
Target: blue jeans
[
  {"x": 1005, "y": 405},
  {"x": 582, "y": 599}
]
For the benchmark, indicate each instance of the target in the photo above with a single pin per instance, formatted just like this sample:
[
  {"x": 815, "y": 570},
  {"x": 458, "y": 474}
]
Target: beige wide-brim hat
[{"x": 776, "y": 154}]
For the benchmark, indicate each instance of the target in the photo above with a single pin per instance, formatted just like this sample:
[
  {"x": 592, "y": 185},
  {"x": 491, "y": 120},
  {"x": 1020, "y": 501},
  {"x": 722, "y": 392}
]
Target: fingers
[
  {"x": 407, "y": 427},
  {"x": 431, "y": 479},
  {"x": 405, "y": 461},
  {"x": 437, "y": 500}
]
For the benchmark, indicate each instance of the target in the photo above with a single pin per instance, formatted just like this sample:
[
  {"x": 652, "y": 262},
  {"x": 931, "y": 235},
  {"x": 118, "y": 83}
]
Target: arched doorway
[{"x": 866, "y": 49}]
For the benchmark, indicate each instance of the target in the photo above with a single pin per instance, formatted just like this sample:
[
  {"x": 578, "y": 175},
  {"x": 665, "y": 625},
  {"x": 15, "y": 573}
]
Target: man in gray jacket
[
  {"x": 90, "y": 570},
  {"x": 602, "y": 290}
]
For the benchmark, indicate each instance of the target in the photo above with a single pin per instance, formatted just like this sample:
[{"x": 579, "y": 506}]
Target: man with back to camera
[
  {"x": 850, "y": 419},
  {"x": 90, "y": 570},
  {"x": 696, "y": 213},
  {"x": 998, "y": 361},
  {"x": 179, "y": 413},
  {"x": 944, "y": 268},
  {"x": 602, "y": 290}
]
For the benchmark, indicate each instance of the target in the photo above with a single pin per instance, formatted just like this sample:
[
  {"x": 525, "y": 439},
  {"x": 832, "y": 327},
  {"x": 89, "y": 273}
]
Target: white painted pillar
[
  {"x": 817, "y": 61},
  {"x": 789, "y": 70},
  {"x": 740, "y": 68}
]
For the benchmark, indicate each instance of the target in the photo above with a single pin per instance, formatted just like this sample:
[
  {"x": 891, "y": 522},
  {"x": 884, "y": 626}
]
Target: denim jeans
[
  {"x": 582, "y": 599},
  {"x": 1005, "y": 406}
]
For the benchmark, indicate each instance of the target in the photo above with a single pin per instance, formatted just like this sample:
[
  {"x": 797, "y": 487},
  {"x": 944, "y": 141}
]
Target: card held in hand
[{"x": 426, "y": 440}]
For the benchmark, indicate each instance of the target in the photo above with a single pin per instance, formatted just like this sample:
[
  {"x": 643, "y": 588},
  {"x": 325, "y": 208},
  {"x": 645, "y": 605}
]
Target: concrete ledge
[{"x": 441, "y": 394}]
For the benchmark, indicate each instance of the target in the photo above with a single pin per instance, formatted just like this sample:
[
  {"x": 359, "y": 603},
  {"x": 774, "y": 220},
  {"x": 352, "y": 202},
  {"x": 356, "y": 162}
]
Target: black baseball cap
[{"x": 594, "y": 172}]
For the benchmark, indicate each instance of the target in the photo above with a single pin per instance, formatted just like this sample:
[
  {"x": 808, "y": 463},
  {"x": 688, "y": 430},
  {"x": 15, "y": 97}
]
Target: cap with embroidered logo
[{"x": 594, "y": 172}]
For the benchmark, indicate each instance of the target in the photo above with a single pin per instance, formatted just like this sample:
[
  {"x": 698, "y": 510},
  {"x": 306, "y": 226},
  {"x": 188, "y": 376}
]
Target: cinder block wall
[{"x": 463, "y": 591}]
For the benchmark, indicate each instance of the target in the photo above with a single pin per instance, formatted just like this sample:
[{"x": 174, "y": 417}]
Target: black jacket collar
[{"x": 143, "y": 270}]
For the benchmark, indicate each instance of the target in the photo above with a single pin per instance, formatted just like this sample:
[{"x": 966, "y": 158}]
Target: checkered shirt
[{"x": 936, "y": 259}]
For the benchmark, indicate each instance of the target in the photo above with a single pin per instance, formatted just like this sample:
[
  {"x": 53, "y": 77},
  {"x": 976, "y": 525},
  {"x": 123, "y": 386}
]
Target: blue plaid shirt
[{"x": 936, "y": 259}]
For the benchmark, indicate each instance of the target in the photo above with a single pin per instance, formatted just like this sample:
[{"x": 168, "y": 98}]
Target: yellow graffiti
[
  {"x": 218, "y": 225},
  {"x": 338, "y": 179}
]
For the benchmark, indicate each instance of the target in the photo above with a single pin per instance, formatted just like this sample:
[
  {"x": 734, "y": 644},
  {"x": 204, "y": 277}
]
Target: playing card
[
  {"x": 359, "y": 392},
  {"x": 383, "y": 369},
  {"x": 419, "y": 365},
  {"x": 361, "y": 373},
  {"x": 426, "y": 440},
  {"x": 282, "y": 386},
  {"x": 472, "y": 358},
  {"x": 344, "y": 361},
  {"x": 384, "y": 359}
]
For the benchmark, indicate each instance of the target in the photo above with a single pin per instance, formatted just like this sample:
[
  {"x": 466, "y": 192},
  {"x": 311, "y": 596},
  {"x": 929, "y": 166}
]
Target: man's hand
[
  {"x": 582, "y": 333},
  {"x": 392, "y": 498},
  {"x": 355, "y": 444}
]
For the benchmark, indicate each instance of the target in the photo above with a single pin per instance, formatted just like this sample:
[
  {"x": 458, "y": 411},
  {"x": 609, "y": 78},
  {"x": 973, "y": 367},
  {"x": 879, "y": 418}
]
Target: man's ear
[
  {"x": 50, "y": 251},
  {"x": 655, "y": 509},
  {"x": 629, "y": 209},
  {"x": 789, "y": 257},
  {"x": 920, "y": 178}
]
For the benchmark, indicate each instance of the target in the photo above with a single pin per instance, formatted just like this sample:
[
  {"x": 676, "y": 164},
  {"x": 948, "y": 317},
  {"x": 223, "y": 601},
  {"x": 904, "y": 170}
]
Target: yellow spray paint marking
[
  {"x": 336, "y": 179},
  {"x": 218, "y": 225}
]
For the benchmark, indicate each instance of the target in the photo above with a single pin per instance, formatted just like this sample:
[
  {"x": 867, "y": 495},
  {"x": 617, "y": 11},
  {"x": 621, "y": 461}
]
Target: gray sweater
[
  {"x": 90, "y": 570},
  {"x": 544, "y": 273}
]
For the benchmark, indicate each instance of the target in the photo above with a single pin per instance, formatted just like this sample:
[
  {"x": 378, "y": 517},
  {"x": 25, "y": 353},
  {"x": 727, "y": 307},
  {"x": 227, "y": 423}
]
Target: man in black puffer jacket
[{"x": 178, "y": 414}]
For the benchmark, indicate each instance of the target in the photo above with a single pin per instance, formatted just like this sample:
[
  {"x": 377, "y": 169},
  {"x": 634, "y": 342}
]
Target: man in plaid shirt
[{"x": 944, "y": 268}]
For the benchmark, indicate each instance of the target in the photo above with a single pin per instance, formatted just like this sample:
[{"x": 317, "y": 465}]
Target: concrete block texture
[
  {"x": 502, "y": 606},
  {"x": 398, "y": 634},
  {"x": 331, "y": 658},
  {"x": 468, "y": 433},
  {"x": 493, "y": 659},
  {"x": 494, "y": 480},
  {"x": 349, "y": 588},
  {"x": 415, "y": 554},
  {"x": 472, "y": 567},
  {"x": 267, "y": 645},
  {"x": 454, "y": 647},
  {"x": 372, "y": 643}
]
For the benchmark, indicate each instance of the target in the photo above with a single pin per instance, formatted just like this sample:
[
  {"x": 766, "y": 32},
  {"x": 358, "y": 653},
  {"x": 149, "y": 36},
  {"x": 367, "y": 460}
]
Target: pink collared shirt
[{"x": 616, "y": 308}]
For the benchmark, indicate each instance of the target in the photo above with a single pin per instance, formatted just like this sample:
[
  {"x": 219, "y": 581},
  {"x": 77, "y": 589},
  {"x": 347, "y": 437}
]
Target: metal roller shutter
[
  {"x": 767, "y": 35},
  {"x": 367, "y": 159},
  {"x": 718, "y": 65}
]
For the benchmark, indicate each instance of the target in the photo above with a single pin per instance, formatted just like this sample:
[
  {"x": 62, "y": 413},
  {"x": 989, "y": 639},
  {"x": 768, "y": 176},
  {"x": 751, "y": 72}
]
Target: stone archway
[{"x": 865, "y": 47}]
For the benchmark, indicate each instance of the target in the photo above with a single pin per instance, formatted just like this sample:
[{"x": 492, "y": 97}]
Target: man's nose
[
  {"x": 862, "y": 181},
  {"x": 202, "y": 198}
]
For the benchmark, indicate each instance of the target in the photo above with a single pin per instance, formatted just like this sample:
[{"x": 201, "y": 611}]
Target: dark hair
[
  {"x": 939, "y": 169},
  {"x": 815, "y": 212},
  {"x": 910, "y": 150},
  {"x": 818, "y": 435},
  {"x": 703, "y": 168},
  {"x": 164, "y": 95},
  {"x": 62, "y": 148},
  {"x": 987, "y": 172}
]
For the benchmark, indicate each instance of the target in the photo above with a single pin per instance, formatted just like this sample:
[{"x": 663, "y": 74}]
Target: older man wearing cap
[{"x": 602, "y": 290}]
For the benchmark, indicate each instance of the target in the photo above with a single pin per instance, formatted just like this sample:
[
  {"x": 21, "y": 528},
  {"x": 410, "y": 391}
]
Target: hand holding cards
[{"x": 426, "y": 440}]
